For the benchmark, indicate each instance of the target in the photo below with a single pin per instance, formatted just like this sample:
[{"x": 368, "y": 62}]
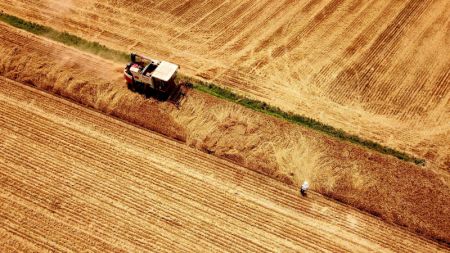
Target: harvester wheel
[{"x": 131, "y": 86}]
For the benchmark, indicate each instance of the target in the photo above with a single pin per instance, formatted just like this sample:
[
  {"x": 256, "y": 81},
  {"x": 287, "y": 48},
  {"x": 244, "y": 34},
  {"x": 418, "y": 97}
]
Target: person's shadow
[{"x": 303, "y": 192}]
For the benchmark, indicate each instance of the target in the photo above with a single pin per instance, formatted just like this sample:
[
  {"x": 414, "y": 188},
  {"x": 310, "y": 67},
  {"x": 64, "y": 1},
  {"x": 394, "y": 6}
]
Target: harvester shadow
[
  {"x": 175, "y": 96},
  {"x": 148, "y": 92}
]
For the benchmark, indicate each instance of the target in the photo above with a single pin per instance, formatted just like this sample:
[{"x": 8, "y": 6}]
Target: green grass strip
[
  {"x": 209, "y": 88},
  {"x": 265, "y": 108},
  {"x": 65, "y": 38}
]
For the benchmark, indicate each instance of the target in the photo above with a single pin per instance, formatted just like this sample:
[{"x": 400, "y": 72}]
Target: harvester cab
[{"x": 154, "y": 78}]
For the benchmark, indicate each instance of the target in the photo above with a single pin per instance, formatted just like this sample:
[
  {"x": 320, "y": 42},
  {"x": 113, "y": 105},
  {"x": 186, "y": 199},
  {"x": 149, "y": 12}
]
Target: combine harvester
[{"x": 154, "y": 78}]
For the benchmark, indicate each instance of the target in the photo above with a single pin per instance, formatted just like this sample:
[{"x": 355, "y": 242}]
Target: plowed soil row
[
  {"x": 72, "y": 179},
  {"x": 267, "y": 145},
  {"x": 376, "y": 69}
]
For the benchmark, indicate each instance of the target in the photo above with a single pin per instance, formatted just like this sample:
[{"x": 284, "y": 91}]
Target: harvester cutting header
[{"x": 154, "y": 78}]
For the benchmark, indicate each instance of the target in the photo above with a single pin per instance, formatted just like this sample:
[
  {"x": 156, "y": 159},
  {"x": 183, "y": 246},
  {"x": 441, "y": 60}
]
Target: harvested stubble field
[
  {"x": 73, "y": 180},
  {"x": 377, "y": 69},
  {"x": 411, "y": 196}
]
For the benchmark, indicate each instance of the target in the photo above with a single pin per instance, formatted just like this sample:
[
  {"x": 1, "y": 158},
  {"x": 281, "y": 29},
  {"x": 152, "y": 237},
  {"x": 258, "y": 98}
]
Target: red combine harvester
[{"x": 154, "y": 78}]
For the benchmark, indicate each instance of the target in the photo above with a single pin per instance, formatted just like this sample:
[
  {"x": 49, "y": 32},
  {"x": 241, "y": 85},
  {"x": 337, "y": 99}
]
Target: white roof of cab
[{"x": 165, "y": 71}]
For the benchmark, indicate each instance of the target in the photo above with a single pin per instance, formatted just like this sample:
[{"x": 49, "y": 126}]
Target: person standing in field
[{"x": 304, "y": 188}]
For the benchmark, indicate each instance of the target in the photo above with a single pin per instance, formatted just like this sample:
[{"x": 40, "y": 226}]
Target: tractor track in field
[{"x": 74, "y": 179}]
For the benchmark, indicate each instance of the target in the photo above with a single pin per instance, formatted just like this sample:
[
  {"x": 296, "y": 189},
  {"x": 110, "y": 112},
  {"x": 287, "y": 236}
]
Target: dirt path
[
  {"x": 373, "y": 68},
  {"x": 73, "y": 179}
]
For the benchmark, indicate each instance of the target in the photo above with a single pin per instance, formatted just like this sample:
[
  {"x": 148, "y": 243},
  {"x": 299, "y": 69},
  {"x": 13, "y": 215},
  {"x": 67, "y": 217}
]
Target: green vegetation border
[
  {"x": 65, "y": 38},
  {"x": 209, "y": 88}
]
